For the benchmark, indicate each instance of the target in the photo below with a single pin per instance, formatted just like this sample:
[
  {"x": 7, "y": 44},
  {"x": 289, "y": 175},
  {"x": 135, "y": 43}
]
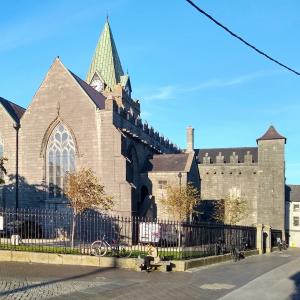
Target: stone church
[{"x": 95, "y": 123}]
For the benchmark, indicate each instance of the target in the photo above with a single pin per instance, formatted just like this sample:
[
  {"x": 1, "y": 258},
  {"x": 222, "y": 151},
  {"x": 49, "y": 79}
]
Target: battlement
[
  {"x": 244, "y": 155},
  {"x": 133, "y": 126}
]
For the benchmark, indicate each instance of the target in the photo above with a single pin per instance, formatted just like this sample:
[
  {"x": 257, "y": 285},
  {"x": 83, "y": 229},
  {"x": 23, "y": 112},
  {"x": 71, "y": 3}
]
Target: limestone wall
[
  {"x": 8, "y": 138},
  {"x": 218, "y": 179},
  {"x": 271, "y": 204},
  {"x": 59, "y": 99}
]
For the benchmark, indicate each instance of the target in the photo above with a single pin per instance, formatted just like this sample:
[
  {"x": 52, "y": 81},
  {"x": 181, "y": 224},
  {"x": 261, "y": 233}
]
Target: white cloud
[
  {"x": 170, "y": 91},
  {"x": 166, "y": 92}
]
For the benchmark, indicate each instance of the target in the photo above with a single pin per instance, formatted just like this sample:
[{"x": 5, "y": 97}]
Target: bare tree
[
  {"x": 2, "y": 169},
  {"x": 85, "y": 192},
  {"x": 232, "y": 209}
]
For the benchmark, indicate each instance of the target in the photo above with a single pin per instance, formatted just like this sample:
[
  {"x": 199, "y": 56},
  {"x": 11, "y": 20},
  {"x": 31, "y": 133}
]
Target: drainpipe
[{"x": 17, "y": 127}]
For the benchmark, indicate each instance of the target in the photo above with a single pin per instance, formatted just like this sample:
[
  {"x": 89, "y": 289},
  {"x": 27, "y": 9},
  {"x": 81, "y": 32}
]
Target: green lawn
[{"x": 170, "y": 255}]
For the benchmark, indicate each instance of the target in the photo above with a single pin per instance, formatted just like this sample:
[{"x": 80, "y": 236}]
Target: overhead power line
[{"x": 240, "y": 38}]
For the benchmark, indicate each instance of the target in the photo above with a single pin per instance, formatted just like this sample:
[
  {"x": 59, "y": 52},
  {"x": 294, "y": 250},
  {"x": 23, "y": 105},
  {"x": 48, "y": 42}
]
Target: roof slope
[
  {"x": 292, "y": 193},
  {"x": 14, "y": 110},
  {"x": 97, "y": 97},
  {"x": 227, "y": 152},
  {"x": 271, "y": 134},
  {"x": 106, "y": 60},
  {"x": 168, "y": 163}
]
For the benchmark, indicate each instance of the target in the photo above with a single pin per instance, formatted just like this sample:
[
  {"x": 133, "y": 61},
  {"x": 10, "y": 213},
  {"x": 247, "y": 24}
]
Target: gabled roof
[
  {"x": 14, "y": 110},
  {"x": 272, "y": 134},
  {"x": 106, "y": 60},
  {"x": 227, "y": 152},
  {"x": 97, "y": 97},
  {"x": 168, "y": 163}
]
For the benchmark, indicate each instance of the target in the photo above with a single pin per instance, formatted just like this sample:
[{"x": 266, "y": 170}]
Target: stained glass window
[{"x": 60, "y": 158}]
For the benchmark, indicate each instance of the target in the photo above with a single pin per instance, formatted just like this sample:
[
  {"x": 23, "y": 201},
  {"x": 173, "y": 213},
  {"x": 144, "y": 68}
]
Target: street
[{"x": 270, "y": 276}]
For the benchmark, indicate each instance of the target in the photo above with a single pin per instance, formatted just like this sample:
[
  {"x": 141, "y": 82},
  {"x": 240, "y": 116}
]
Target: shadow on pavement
[
  {"x": 296, "y": 279},
  {"x": 42, "y": 284}
]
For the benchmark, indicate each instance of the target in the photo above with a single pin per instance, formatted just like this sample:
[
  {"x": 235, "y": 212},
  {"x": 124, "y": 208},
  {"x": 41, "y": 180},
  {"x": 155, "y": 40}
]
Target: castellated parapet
[{"x": 132, "y": 125}]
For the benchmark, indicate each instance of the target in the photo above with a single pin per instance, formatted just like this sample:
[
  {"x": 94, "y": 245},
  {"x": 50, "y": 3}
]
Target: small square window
[
  {"x": 296, "y": 207},
  {"x": 162, "y": 184},
  {"x": 296, "y": 221}
]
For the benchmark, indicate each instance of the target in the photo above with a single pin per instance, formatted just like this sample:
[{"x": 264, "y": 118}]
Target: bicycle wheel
[
  {"x": 124, "y": 250},
  {"x": 98, "y": 248}
]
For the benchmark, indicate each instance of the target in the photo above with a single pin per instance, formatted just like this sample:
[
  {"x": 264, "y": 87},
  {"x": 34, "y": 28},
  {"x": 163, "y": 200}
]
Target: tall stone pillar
[
  {"x": 267, "y": 233},
  {"x": 190, "y": 139},
  {"x": 259, "y": 238}
]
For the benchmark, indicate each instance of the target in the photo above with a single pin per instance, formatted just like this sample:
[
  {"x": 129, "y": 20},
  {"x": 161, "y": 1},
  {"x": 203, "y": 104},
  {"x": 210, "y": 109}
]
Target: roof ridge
[
  {"x": 12, "y": 103},
  {"x": 250, "y": 147},
  {"x": 97, "y": 97},
  {"x": 14, "y": 110}
]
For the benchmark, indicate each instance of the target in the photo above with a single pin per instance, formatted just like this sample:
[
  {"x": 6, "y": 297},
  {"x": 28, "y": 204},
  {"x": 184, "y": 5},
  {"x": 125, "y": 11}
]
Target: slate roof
[
  {"x": 97, "y": 97},
  {"x": 14, "y": 110},
  {"x": 271, "y": 134},
  {"x": 292, "y": 193},
  {"x": 106, "y": 59},
  {"x": 168, "y": 163},
  {"x": 227, "y": 152}
]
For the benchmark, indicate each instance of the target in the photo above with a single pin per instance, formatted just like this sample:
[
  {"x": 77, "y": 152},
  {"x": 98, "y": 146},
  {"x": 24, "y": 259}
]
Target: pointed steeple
[{"x": 106, "y": 62}]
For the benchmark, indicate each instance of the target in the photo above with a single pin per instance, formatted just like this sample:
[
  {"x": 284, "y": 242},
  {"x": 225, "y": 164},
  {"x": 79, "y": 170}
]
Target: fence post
[{"x": 259, "y": 238}]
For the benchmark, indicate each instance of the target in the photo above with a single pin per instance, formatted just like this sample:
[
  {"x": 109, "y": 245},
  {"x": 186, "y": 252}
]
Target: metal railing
[{"x": 55, "y": 231}]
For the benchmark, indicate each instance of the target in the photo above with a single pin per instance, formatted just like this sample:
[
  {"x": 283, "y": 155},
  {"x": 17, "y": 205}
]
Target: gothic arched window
[{"x": 60, "y": 159}]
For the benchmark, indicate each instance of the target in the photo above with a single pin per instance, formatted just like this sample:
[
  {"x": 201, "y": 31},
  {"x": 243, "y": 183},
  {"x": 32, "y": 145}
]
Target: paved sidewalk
[
  {"x": 272, "y": 276},
  {"x": 280, "y": 283}
]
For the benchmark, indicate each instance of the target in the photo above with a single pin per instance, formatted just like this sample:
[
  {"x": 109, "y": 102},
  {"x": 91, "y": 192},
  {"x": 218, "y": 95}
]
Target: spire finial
[{"x": 107, "y": 17}]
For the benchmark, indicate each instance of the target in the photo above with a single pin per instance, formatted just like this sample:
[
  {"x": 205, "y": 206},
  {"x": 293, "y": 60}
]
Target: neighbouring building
[
  {"x": 73, "y": 123},
  {"x": 256, "y": 174},
  {"x": 292, "y": 206}
]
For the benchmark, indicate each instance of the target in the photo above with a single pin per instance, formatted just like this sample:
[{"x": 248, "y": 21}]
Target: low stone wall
[
  {"x": 106, "y": 262},
  {"x": 184, "y": 265}
]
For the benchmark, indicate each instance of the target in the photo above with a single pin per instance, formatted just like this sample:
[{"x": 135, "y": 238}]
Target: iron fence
[{"x": 60, "y": 231}]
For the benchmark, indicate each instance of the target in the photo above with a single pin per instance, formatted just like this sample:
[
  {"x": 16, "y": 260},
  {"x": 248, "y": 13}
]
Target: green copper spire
[{"x": 106, "y": 61}]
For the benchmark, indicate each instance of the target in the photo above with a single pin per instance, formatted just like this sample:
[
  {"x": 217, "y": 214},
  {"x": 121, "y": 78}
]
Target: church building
[{"x": 94, "y": 123}]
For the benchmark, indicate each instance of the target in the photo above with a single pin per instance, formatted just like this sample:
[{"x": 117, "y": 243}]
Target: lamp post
[{"x": 179, "y": 176}]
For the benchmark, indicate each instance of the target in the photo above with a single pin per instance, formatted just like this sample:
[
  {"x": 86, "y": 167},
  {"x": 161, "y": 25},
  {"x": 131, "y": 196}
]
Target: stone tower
[{"x": 270, "y": 206}]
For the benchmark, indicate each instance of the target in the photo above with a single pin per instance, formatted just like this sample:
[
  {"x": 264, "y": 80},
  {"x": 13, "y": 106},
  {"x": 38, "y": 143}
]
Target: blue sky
[{"x": 184, "y": 69}]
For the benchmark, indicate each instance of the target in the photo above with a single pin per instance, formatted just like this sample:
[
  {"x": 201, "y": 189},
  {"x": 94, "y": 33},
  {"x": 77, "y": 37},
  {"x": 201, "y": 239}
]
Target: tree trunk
[{"x": 73, "y": 230}]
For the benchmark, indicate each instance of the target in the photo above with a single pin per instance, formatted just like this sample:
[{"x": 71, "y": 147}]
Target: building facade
[
  {"x": 293, "y": 214},
  {"x": 256, "y": 174},
  {"x": 95, "y": 123}
]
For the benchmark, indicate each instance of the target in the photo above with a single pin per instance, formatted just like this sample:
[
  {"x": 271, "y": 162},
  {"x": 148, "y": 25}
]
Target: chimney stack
[{"x": 190, "y": 139}]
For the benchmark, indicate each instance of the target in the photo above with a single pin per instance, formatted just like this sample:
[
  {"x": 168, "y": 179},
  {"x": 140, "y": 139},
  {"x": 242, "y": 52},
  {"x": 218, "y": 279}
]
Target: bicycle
[
  {"x": 238, "y": 253},
  {"x": 117, "y": 247}
]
